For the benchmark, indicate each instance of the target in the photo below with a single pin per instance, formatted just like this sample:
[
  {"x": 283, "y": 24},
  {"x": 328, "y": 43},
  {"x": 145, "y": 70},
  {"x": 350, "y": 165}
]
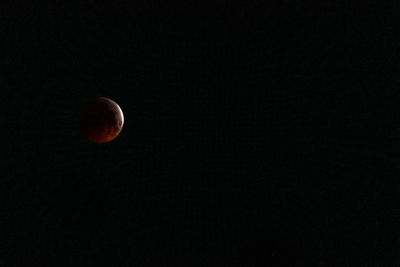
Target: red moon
[{"x": 101, "y": 120}]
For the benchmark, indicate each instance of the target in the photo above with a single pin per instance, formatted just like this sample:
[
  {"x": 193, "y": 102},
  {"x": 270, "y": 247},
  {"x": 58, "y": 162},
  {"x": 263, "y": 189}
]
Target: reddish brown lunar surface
[{"x": 101, "y": 120}]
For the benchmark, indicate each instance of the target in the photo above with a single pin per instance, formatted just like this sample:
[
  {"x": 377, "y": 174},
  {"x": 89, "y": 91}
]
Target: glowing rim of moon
[{"x": 119, "y": 108}]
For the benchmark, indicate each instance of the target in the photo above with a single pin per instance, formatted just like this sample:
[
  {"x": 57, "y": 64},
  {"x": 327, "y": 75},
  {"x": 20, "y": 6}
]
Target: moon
[{"x": 101, "y": 120}]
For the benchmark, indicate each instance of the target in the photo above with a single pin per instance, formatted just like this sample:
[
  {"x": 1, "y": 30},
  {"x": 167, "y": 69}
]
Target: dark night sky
[{"x": 256, "y": 134}]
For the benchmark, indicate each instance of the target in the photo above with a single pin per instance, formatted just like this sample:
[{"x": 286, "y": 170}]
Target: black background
[{"x": 256, "y": 134}]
